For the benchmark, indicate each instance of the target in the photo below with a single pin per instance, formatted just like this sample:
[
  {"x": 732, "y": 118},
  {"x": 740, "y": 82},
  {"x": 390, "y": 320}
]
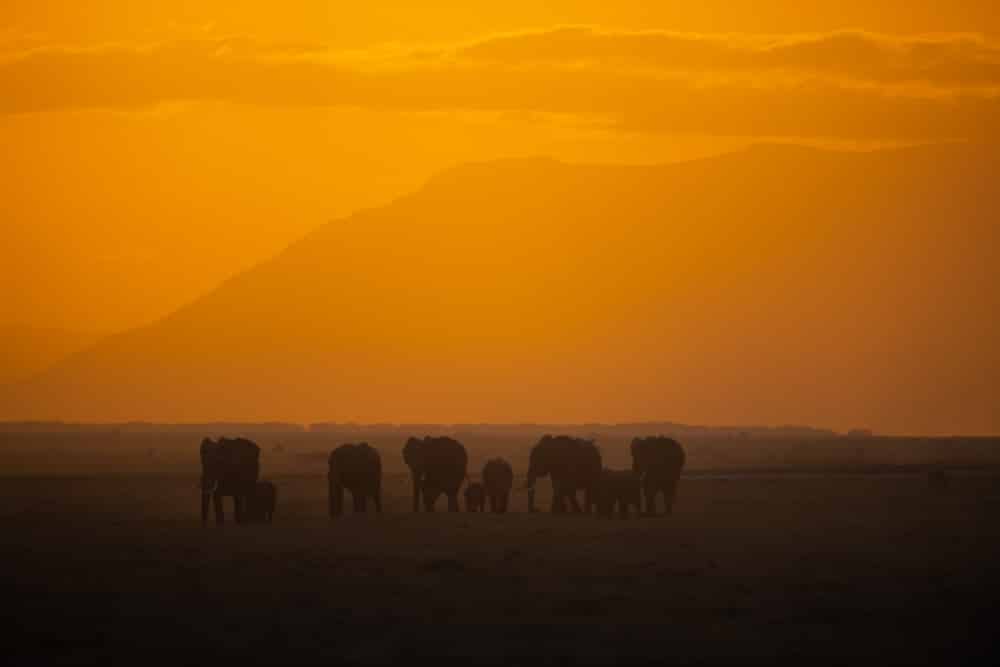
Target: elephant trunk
[
  {"x": 416, "y": 492},
  {"x": 530, "y": 486},
  {"x": 208, "y": 487}
]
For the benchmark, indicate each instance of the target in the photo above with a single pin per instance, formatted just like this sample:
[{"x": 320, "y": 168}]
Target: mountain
[
  {"x": 26, "y": 351},
  {"x": 774, "y": 285}
]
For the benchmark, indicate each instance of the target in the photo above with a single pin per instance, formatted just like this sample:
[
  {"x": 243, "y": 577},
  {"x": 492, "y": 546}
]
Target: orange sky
[{"x": 152, "y": 150}]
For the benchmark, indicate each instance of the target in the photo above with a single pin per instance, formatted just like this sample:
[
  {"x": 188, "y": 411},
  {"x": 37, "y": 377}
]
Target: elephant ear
[
  {"x": 210, "y": 451},
  {"x": 638, "y": 448},
  {"x": 243, "y": 459},
  {"x": 411, "y": 452}
]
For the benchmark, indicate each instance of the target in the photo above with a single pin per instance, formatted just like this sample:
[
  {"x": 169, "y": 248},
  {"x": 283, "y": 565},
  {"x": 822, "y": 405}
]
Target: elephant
[
  {"x": 260, "y": 505},
  {"x": 659, "y": 461},
  {"x": 475, "y": 497},
  {"x": 229, "y": 467},
  {"x": 573, "y": 464},
  {"x": 357, "y": 468},
  {"x": 438, "y": 465},
  {"x": 498, "y": 478},
  {"x": 619, "y": 488}
]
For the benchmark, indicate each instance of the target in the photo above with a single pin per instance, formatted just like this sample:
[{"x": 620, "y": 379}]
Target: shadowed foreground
[{"x": 875, "y": 568}]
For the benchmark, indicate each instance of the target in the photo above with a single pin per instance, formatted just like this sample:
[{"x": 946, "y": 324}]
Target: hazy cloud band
[{"x": 842, "y": 84}]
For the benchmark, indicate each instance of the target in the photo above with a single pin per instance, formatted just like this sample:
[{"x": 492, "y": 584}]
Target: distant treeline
[
  {"x": 630, "y": 429},
  {"x": 36, "y": 447}
]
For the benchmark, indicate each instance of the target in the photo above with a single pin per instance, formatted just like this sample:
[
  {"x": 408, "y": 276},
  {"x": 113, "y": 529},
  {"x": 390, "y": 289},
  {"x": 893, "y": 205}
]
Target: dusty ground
[{"x": 796, "y": 569}]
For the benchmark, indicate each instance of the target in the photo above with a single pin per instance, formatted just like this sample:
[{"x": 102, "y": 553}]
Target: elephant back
[
  {"x": 230, "y": 463},
  {"x": 443, "y": 460},
  {"x": 355, "y": 465},
  {"x": 657, "y": 452},
  {"x": 498, "y": 474},
  {"x": 562, "y": 455}
]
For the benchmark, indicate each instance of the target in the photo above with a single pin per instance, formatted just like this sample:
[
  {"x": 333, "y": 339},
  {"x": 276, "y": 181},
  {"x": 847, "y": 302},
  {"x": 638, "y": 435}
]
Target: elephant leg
[
  {"x": 623, "y": 508},
  {"x": 588, "y": 500},
  {"x": 362, "y": 502},
  {"x": 355, "y": 501},
  {"x": 416, "y": 493},
  {"x": 650, "y": 492},
  {"x": 504, "y": 502},
  {"x": 205, "y": 498},
  {"x": 217, "y": 506},
  {"x": 670, "y": 493},
  {"x": 429, "y": 500},
  {"x": 377, "y": 499},
  {"x": 336, "y": 500},
  {"x": 573, "y": 502},
  {"x": 453, "y": 502}
]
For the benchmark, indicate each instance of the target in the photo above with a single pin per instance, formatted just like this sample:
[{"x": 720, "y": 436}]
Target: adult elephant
[
  {"x": 618, "y": 489},
  {"x": 658, "y": 460},
  {"x": 498, "y": 478},
  {"x": 229, "y": 467},
  {"x": 438, "y": 465},
  {"x": 573, "y": 464},
  {"x": 357, "y": 468}
]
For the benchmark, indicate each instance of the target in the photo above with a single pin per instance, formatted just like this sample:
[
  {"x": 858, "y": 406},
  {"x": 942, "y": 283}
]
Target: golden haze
[{"x": 153, "y": 152}]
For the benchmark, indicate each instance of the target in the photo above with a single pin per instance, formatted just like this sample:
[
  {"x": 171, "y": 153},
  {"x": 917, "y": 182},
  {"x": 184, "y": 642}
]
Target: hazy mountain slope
[
  {"x": 770, "y": 286},
  {"x": 26, "y": 351}
]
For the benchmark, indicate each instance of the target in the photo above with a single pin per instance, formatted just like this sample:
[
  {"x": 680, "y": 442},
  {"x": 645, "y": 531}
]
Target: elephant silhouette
[
  {"x": 357, "y": 468},
  {"x": 438, "y": 466},
  {"x": 475, "y": 497},
  {"x": 618, "y": 489},
  {"x": 573, "y": 464},
  {"x": 498, "y": 478},
  {"x": 229, "y": 467},
  {"x": 261, "y": 504},
  {"x": 658, "y": 460}
]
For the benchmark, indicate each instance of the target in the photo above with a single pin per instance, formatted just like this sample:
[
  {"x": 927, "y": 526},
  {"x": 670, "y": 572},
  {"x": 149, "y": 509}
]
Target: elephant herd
[{"x": 439, "y": 466}]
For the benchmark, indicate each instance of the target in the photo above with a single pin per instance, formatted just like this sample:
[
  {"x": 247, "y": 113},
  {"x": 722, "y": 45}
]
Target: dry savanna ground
[{"x": 876, "y": 568}]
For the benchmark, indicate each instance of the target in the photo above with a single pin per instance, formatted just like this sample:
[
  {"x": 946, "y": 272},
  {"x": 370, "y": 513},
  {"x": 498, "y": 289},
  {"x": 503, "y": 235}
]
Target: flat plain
[{"x": 753, "y": 568}]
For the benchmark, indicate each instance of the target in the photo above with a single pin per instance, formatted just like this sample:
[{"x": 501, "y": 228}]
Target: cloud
[
  {"x": 943, "y": 60},
  {"x": 840, "y": 84}
]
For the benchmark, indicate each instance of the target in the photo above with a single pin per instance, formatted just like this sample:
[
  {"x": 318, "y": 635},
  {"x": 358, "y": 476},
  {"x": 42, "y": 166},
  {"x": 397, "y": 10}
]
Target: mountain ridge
[{"x": 463, "y": 270}]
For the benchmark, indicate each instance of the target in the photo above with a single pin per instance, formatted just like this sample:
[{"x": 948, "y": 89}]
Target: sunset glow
[{"x": 159, "y": 159}]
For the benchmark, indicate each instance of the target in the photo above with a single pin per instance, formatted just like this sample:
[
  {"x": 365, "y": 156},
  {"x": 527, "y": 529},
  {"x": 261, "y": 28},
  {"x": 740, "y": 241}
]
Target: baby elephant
[
  {"x": 618, "y": 487},
  {"x": 498, "y": 478},
  {"x": 475, "y": 497},
  {"x": 260, "y": 506}
]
